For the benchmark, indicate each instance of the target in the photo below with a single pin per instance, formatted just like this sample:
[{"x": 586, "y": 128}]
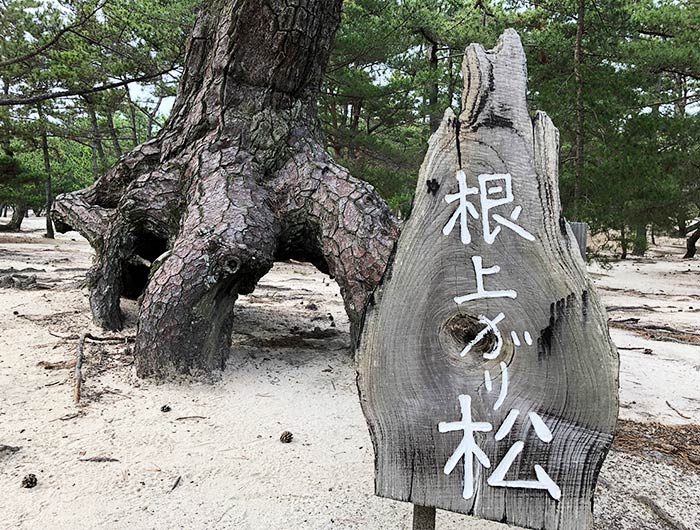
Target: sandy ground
[{"x": 214, "y": 460}]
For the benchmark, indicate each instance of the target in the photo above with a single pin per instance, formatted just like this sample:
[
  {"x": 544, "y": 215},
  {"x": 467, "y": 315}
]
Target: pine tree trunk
[
  {"x": 691, "y": 243},
  {"x": 98, "y": 150},
  {"x": 132, "y": 120},
  {"x": 19, "y": 212},
  {"x": 48, "y": 184},
  {"x": 113, "y": 134},
  {"x": 624, "y": 242},
  {"x": 640, "y": 244},
  {"x": 580, "y": 112},
  {"x": 433, "y": 92},
  {"x": 237, "y": 179}
]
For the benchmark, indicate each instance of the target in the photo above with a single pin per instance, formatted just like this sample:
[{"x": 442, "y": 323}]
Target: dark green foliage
[
  {"x": 18, "y": 182},
  {"x": 394, "y": 70},
  {"x": 382, "y": 89},
  {"x": 75, "y": 49}
]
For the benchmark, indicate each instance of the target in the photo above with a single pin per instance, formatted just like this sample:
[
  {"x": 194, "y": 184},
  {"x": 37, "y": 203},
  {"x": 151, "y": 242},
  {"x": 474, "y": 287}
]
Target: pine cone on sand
[
  {"x": 286, "y": 437},
  {"x": 29, "y": 481}
]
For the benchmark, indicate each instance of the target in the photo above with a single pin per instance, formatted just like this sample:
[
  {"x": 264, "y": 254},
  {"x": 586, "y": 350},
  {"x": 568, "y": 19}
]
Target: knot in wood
[
  {"x": 469, "y": 342},
  {"x": 464, "y": 329}
]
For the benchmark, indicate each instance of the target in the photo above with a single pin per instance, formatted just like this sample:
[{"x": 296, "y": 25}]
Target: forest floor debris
[
  {"x": 217, "y": 461},
  {"x": 680, "y": 442}
]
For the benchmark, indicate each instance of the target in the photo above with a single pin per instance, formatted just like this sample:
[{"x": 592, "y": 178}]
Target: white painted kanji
[
  {"x": 463, "y": 210},
  {"x": 497, "y": 190},
  {"x": 480, "y": 271},
  {"x": 490, "y": 326},
  {"x": 467, "y": 448},
  {"x": 543, "y": 482},
  {"x": 504, "y": 386}
]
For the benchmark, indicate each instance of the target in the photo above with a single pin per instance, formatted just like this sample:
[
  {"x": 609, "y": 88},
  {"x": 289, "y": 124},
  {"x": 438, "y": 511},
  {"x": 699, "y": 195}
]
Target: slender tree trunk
[
  {"x": 5, "y": 133},
  {"x": 113, "y": 134},
  {"x": 691, "y": 243},
  {"x": 132, "y": 120},
  {"x": 19, "y": 212},
  {"x": 238, "y": 178},
  {"x": 681, "y": 102},
  {"x": 452, "y": 81},
  {"x": 623, "y": 242},
  {"x": 640, "y": 244},
  {"x": 435, "y": 114},
  {"x": 335, "y": 143},
  {"x": 96, "y": 135},
  {"x": 580, "y": 112},
  {"x": 47, "y": 173},
  {"x": 152, "y": 117},
  {"x": 95, "y": 163},
  {"x": 5, "y": 139}
]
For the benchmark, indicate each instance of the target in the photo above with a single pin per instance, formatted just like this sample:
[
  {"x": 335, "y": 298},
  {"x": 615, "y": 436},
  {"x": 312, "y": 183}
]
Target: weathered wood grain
[{"x": 410, "y": 369}]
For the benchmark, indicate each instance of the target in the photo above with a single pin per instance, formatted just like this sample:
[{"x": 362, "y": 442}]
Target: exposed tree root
[{"x": 236, "y": 180}]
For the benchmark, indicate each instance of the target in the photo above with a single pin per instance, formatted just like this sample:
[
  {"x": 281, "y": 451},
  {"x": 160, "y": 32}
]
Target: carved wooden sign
[{"x": 486, "y": 371}]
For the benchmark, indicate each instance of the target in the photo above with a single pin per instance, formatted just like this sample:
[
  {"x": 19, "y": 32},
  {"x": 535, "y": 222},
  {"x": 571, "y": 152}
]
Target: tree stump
[
  {"x": 237, "y": 179},
  {"x": 486, "y": 371}
]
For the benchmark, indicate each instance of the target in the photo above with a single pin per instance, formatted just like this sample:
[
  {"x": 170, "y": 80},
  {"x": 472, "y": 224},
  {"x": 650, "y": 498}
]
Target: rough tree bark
[
  {"x": 19, "y": 212},
  {"x": 691, "y": 243},
  {"x": 546, "y": 352},
  {"x": 237, "y": 179}
]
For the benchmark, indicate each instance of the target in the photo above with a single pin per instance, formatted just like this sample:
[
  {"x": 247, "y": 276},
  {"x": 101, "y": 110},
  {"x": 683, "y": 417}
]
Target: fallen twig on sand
[
  {"x": 674, "y": 409},
  {"x": 670, "y": 329},
  {"x": 21, "y": 281},
  {"x": 94, "y": 338},
  {"x": 645, "y": 351},
  {"x": 658, "y": 332},
  {"x": 57, "y": 365},
  {"x": 177, "y": 483},
  {"x": 98, "y": 459},
  {"x": 192, "y": 418},
  {"x": 71, "y": 416},
  {"x": 114, "y": 392},
  {"x": 660, "y": 512},
  {"x": 649, "y": 503},
  {"x": 630, "y": 308},
  {"x": 78, "y": 374},
  {"x": 630, "y": 320}
]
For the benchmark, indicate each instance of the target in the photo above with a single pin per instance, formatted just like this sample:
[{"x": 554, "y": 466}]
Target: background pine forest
[{"x": 82, "y": 82}]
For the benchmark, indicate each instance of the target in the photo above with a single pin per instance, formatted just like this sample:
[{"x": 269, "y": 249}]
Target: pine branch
[{"x": 5, "y": 102}]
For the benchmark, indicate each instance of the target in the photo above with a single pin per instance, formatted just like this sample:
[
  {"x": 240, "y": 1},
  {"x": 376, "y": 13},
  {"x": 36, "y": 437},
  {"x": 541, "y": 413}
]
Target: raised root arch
[{"x": 237, "y": 178}]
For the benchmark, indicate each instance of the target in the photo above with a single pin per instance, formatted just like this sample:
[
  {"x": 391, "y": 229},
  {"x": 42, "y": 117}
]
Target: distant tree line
[
  {"x": 68, "y": 75},
  {"x": 620, "y": 78}
]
